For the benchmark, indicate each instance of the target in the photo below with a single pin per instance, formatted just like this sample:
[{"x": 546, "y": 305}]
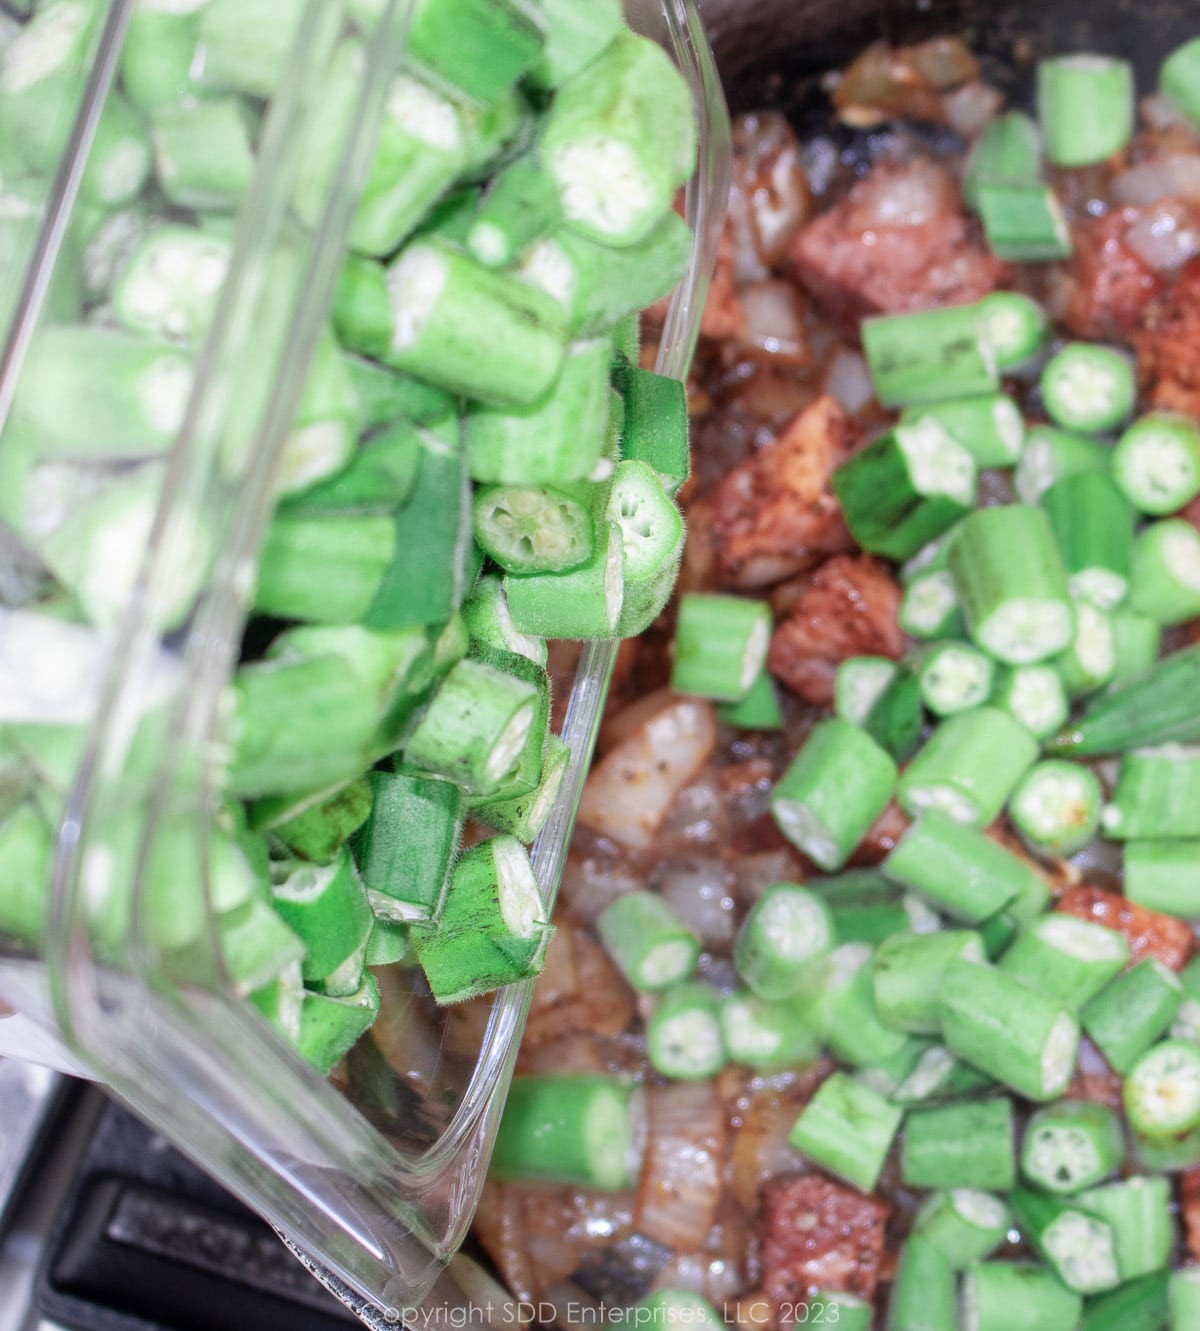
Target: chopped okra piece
[
  {"x": 930, "y": 607},
  {"x": 158, "y": 56},
  {"x": 907, "y": 974},
  {"x": 860, "y": 683},
  {"x": 1156, "y": 463},
  {"x": 1071, "y": 1145},
  {"x": 488, "y": 620},
  {"x": 999, "y": 1296},
  {"x": 1085, "y": 107},
  {"x": 583, "y": 1130},
  {"x": 1050, "y": 455},
  {"x": 1014, "y": 325},
  {"x": 407, "y": 847},
  {"x": 597, "y": 285},
  {"x": 1089, "y": 388},
  {"x": 683, "y": 1033},
  {"x": 655, "y": 426},
  {"x": 1077, "y": 1246},
  {"x": 1183, "y": 1298},
  {"x": 1002, "y": 1026},
  {"x": 168, "y": 288},
  {"x": 25, "y": 858},
  {"x": 1161, "y": 875},
  {"x": 651, "y": 531},
  {"x": 835, "y": 788},
  {"x": 528, "y": 529},
  {"x": 572, "y": 34},
  {"x": 584, "y": 603},
  {"x": 322, "y": 827},
  {"x": 1056, "y": 808},
  {"x": 968, "y": 767},
  {"x": 1164, "y": 579},
  {"x": 955, "y": 868},
  {"x": 1091, "y": 660},
  {"x": 476, "y": 48},
  {"x": 840, "y": 986},
  {"x": 1023, "y": 221},
  {"x": 474, "y": 727},
  {"x": 1009, "y": 151},
  {"x": 1093, "y": 527},
  {"x": 906, "y": 489},
  {"x": 330, "y": 1027},
  {"x": 1156, "y": 795},
  {"x": 323, "y": 569},
  {"x": 768, "y": 1035},
  {"x": 787, "y": 927},
  {"x": 1156, "y": 707},
  {"x": 247, "y": 43},
  {"x": 1162, "y": 1090},
  {"x": 964, "y": 1223},
  {"x": 472, "y": 331},
  {"x": 95, "y": 393},
  {"x": 924, "y": 1291},
  {"x": 954, "y": 677},
  {"x": 492, "y": 929},
  {"x": 619, "y": 139},
  {"x": 720, "y": 645},
  {"x": 968, "y": 1145},
  {"x": 1035, "y": 696},
  {"x": 326, "y": 906},
  {"x": 1132, "y": 1012},
  {"x": 120, "y": 159},
  {"x": 990, "y": 427},
  {"x": 1065, "y": 959},
  {"x": 559, "y": 439},
  {"x": 929, "y": 356},
  {"x": 1012, "y": 584},
  {"x": 298, "y": 726},
  {"x": 758, "y": 710},
  {"x": 257, "y": 947},
  {"x": 1177, "y": 82},
  {"x": 524, "y": 815},
  {"x": 848, "y": 1130},
  {"x": 1138, "y": 1210},
  {"x": 203, "y": 154},
  {"x": 651, "y": 946},
  {"x": 520, "y": 206}
]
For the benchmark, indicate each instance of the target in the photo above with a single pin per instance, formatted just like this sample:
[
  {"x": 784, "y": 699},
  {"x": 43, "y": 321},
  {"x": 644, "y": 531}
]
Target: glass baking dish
[{"x": 370, "y": 1179}]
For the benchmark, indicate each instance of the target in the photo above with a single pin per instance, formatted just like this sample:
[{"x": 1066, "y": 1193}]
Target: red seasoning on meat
[
  {"x": 1149, "y": 933},
  {"x": 775, "y": 511},
  {"x": 899, "y": 241},
  {"x": 849, "y": 609},
  {"x": 1110, "y": 285},
  {"x": 1189, "y": 1206},
  {"x": 1166, "y": 347},
  {"x": 816, "y": 1234}
]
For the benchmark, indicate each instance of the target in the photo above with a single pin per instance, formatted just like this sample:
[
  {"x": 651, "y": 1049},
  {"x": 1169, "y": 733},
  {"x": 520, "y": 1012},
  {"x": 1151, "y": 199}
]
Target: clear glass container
[{"x": 373, "y": 1179}]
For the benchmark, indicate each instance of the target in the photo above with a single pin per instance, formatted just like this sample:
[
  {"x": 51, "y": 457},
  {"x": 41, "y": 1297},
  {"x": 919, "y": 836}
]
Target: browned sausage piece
[
  {"x": 776, "y": 511},
  {"x": 1166, "y": 348},
  {"x": 1109, "y": 285},
  {"x": 849, "y": 609},
  {"x": 899, "y": 241},
  {"x": 816, "y": 1234}
]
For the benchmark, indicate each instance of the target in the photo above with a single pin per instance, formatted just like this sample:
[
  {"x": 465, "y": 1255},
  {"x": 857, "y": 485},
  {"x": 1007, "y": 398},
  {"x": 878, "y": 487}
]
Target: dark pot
[{"x": 772, "y": 52}]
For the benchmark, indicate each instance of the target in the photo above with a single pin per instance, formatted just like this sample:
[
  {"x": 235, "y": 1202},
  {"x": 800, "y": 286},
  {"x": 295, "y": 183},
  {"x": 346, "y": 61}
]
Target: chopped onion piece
[
  {"x": 1166, "y": 237},
  {"x": 969, "y": 108},
  {"x": 849, "y": 380},
  {"x": 1176, "y": 173},
  {"x": 680, "y": 1186},
  {"x": 774, "y": 321}
]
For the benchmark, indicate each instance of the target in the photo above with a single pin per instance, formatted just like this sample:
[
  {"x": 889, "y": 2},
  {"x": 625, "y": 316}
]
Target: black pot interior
[{"x": 771, "y": 53}]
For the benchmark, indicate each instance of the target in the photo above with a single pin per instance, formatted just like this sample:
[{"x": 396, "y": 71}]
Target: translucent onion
[
  {"x": 680, "y": 1186},
  {"x": 775, "y": 322},
  {"x": 700, "y": 892},
  {"x": 969, "y": 108},
  {"x": 1166, "y": 237},
  {"x": 908, "y": 198},
  {"x": 631, "y": 789},
  {"x": 849, "y": 380},
  {"x": 1175, "y": 174}
]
